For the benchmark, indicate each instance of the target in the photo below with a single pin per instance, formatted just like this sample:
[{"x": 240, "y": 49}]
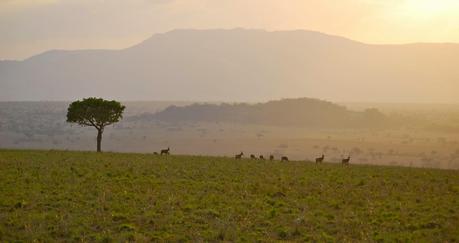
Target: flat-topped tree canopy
[{"x": 95, "y": 112}]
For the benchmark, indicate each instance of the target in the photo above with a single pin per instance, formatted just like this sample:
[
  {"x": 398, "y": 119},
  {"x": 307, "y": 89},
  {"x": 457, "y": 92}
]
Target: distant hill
[
  {"x": 303, "y": 112},
  {"x": 240, "y": 65}
]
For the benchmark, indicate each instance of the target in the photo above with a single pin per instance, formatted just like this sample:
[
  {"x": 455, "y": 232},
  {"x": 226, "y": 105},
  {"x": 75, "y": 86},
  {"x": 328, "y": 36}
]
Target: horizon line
[{"x": 197, "y": 101}]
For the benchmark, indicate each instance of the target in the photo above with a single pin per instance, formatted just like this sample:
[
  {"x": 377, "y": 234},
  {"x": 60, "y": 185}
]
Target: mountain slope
[{"x": 249, "y": 65}]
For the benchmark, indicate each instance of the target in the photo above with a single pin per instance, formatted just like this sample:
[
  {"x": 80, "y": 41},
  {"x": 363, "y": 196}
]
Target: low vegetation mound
[
  {"x": 78, "y": 196},
  {"x": 303, "y": 112}
]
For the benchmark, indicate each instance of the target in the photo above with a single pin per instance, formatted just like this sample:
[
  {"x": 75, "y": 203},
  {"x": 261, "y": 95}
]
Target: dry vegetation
[{"x": 429, "y": 139}]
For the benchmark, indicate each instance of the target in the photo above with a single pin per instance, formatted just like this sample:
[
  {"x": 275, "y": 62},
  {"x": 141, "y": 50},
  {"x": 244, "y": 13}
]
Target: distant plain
[{"x": 432, "y": 142}]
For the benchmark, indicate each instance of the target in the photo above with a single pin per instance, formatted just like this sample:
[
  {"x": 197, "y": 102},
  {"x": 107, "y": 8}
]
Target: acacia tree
[{"x": 95, "y": 112}]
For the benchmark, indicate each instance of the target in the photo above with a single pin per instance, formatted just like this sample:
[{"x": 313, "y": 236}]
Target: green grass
[{"x": 81, "y": 196}]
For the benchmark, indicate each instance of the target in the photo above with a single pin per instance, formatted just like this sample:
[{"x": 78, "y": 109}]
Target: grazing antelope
[
  {"x": 284, "y": 158},
  {"x": 262, "y": 157},
  {"x": 271, "y": 157},
  {"x": 253, "y": 156},
  {"x": 320, "y": 159},
  {"x": 239, "y": 156},
  {"x": 346, "y": 161},
  {"x": 155, "y": 153},
  {"x": 165, "y": 151}
]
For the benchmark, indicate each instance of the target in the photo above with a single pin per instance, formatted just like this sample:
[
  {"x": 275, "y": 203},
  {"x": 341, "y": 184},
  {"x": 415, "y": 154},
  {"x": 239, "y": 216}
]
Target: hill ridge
[{"x": 239, "y": 64}]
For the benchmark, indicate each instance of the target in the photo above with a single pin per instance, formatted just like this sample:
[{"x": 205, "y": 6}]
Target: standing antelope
[
  {"x": 271, "y": 157},
  {"x": 253, "y": 156},
  {"x": 284, "y": 158},
  {"x": 165, "y": 151},
  {"x": 346, "y": 161},
  {"x": 239, "y": 156},
  {"x": 320, "y": 159},
  {"x": 262, "y": 157}
]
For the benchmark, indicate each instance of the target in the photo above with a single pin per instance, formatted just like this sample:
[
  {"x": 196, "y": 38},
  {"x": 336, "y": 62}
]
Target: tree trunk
[{"x": 99, "y": 139}]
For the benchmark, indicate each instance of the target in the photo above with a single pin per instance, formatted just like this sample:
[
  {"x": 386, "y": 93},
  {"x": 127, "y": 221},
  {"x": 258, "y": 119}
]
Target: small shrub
[
  {"x": 126, "y": 227},
  {"x": 282, "y": 233}
]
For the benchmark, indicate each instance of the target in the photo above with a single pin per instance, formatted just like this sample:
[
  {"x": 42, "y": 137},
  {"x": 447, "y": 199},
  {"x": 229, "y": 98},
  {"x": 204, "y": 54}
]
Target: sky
[{"x": 29, "y": 27}]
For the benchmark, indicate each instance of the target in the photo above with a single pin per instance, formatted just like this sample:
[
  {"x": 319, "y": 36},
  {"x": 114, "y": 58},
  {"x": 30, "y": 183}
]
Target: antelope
[
  {"x": 346, "y": 161},
  {"x": 262, "y": 157},
  {"x": 239, "y": 156},
  {"x": 320, "y": 159},
  {"x": 271, "y": 157},
  {"x": 253, "y": 156},
  {"x": 165, "y": 151},
  {"x": 155, "y": 153},
  {"x": 284, "y": 158}
]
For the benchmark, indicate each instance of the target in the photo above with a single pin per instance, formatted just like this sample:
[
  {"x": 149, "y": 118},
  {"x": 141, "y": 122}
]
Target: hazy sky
[{"x": 28, "y": 27}]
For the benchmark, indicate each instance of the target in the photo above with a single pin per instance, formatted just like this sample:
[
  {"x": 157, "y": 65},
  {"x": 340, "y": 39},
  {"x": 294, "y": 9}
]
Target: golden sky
[{"x": 28, "y": 27}]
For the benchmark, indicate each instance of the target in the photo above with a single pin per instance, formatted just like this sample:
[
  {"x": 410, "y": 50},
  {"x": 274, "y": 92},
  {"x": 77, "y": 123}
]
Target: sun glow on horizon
[
  {"x": 29, "y": 27},
  {"x": 423, "y": 9}
]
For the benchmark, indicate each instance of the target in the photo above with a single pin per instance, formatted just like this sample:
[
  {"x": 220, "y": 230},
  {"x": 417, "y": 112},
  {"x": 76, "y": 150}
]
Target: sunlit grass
[{"x": 82, "y": 196}]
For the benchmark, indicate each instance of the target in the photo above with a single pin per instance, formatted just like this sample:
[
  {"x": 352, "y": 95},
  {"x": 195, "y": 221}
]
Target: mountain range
[{"x": 240, "y": 65}]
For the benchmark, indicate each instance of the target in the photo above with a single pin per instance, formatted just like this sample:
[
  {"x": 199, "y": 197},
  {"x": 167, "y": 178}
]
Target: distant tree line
[{"x": 302, "y": 112}]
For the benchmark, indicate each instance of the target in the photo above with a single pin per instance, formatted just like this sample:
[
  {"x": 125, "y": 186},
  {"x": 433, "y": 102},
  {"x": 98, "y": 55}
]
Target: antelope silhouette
[
  {"x": 165, "y": 151},
  {"x": 271, "y": 157},
  {"x": 320, "y": 159},
  {"x": 239, "y": 156},
  {"x": 253, "y": 156},
  {"x": 346, "y": 161},
  {"x": 284, "y": 158},
  {"x": 262, "y": 157}
]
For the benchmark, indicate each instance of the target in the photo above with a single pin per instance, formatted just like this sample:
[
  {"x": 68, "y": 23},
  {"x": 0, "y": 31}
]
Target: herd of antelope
[
  {"x": 319, "y": 160},
  {"x": 261, "y": 157}
]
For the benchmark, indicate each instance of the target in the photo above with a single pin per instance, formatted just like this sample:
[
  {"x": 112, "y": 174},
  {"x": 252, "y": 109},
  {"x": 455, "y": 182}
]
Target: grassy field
[{"x": 81, "y": 196}]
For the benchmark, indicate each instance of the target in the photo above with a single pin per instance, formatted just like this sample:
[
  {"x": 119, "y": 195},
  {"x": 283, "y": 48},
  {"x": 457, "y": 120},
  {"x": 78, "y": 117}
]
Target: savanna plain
[{"x": 103, "y": 197}]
